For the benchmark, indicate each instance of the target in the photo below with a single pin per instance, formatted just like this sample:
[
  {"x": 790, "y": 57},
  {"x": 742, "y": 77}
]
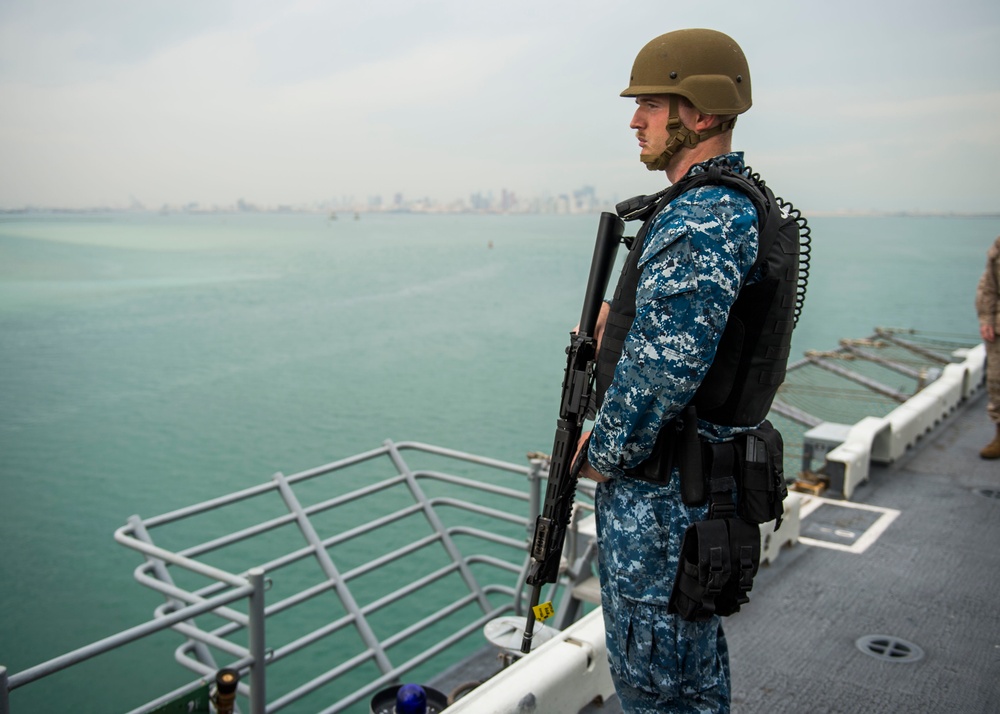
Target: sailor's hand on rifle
[
  {"x": 602, "y": 320},
  {"x": 586, "y": 470}
]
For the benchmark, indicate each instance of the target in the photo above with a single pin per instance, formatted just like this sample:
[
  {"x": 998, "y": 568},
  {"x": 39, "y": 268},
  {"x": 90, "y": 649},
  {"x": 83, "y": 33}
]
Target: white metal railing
[
  {"x": 251, "y": 588},
  {"x": 164, "y": 567}
]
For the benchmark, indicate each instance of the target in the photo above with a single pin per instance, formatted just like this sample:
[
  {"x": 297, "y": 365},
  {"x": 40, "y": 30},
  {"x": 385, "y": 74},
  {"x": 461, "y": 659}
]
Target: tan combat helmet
[{"x": 706, "y": 67}]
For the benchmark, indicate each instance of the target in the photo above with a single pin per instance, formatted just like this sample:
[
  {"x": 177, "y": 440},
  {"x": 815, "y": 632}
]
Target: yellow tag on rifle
[{"x": 543, "y": 611}]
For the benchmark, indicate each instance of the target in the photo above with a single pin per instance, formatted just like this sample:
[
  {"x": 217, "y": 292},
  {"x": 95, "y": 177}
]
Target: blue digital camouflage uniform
[{"x": 696, "y": 256}]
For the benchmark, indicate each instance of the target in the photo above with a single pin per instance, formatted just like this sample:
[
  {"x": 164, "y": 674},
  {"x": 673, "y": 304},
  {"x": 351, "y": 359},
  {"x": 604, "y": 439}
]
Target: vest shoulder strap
[{"x": 645, "y": 207}]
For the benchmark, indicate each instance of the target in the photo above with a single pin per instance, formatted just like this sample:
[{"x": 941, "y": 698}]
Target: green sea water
[{"x": 148, "y": 362}]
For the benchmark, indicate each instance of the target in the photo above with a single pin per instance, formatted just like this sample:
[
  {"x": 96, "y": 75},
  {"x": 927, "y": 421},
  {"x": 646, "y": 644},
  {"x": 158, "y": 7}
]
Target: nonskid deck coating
[{"x": 930, "y": 578}]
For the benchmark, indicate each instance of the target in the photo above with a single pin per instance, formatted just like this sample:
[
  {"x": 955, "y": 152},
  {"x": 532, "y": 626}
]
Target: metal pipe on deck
[
  {"x": 795, "y": 414},
  {"x": 851, "y": 347},
  {"x": 871, "y": 384},
  {"x": 912, "y": 346}
]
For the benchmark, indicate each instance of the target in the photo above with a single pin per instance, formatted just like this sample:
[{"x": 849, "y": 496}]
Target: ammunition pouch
[
  {"x": 719, "y": 559},
  {"x": 753, "y": 463},
  {"x": 760, "y": 487}
]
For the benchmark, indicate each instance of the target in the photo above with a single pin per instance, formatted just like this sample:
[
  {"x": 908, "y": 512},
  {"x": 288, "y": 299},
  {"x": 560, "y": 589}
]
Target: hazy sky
[{"x": 858, "y": 104}]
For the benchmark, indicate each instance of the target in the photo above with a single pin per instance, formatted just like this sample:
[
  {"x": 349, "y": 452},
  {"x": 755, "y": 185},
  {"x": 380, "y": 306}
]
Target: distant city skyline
[
  {"x": 584, "y": 199},
  {"x": 477, "y": 203},
  {"x": 858, "y": 106}
]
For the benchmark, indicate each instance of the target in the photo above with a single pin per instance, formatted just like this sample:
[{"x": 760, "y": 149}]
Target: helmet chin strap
[{"x": 679, "y": 135}]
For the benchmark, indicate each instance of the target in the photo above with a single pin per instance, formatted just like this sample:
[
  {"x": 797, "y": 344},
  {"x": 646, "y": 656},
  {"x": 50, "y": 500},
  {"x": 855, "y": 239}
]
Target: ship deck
[{"x": 925, "y": 586}]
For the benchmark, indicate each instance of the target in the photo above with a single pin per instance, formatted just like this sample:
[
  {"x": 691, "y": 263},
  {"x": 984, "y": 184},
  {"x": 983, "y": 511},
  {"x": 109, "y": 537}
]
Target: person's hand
[
  {"x": 588, "y": 471},
  {"x": 987, "y": 332}
]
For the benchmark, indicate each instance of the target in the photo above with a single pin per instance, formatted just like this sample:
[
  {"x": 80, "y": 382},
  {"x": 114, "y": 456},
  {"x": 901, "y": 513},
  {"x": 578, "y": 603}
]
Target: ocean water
[{"x": 148, "y": 362}]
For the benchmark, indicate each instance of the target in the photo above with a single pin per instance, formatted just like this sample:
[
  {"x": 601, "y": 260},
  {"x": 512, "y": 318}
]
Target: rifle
[{"x": 551, "y": 524}]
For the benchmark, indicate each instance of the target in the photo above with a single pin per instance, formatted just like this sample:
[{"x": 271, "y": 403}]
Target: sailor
[
  {"x": 657, "y": 340},
  {"x": 987, "y": 302}
]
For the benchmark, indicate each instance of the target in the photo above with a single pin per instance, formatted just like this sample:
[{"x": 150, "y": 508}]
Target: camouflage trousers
[
  {"x": 993, "y": 379},
  {"x": 659, "y": 661}
]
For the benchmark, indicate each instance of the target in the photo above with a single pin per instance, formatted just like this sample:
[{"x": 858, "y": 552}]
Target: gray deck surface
[{"x": 931, "y": 579}]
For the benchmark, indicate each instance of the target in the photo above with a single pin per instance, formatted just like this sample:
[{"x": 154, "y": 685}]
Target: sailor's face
[{"x": 650, "y": 123}]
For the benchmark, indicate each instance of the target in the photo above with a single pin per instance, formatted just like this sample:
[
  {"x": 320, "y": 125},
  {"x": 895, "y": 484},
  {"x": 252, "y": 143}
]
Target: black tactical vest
[{"x": 752, "y": 355}]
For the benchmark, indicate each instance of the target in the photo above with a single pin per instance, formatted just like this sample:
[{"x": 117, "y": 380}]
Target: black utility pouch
[
  {"x": 719, "y": 559},
  {"x": 760, "y": 484},
  {"x": 744, "y": 548},
  {"x": 703, "y": 570}
]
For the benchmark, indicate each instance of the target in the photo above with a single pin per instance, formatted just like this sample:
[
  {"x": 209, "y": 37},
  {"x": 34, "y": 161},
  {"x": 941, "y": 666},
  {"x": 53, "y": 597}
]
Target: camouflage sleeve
[
  {"x": 988, "y": 289},
  {"x": 695, "y": 258}
]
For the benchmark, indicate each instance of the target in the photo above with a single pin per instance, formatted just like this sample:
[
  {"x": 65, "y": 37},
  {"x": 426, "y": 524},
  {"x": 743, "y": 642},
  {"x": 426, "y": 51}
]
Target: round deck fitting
[{"x": 889, "y": 648}]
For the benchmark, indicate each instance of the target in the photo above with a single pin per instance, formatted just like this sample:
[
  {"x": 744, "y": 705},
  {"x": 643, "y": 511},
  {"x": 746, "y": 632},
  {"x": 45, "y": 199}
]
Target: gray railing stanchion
[
  {"x": 4, "y": 694},
  {"x": 257, "y": 643}
]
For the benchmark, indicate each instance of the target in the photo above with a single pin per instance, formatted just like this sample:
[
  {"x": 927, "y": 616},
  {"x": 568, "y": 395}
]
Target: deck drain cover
[
  {"x": 889, "y": 648},
  {"x": 988, "y": 492}
]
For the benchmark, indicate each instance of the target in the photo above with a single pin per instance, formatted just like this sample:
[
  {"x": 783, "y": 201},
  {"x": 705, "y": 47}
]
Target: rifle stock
[{"x": 551, "y": 524}]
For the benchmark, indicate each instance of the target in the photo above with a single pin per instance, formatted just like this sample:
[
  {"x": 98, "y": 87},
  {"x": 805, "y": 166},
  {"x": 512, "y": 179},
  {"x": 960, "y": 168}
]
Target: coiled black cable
[
  {"x": 805, "y": 241},
  {"x": 805, "y": 253}
]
